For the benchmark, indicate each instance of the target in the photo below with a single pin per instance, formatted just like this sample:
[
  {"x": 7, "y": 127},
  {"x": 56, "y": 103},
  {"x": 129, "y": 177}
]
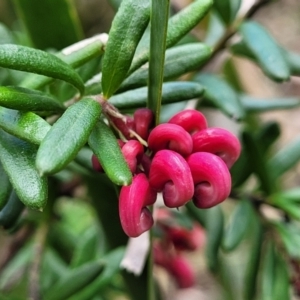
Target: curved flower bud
[
  {"x": 143, "y": 119},
  {"x": 218, "y": 141},
  {"x": 134, "y": 216},
  {"x": 124, "y": 125},
  {"x": 171, "y": 174},
  {"x": 170, "y": 136},
  {"x": 190, "y": 119},
  {"x": 146, "y": 163},
  {"x": 211, "y": 177},
  {"x": 132, "y": 151}
]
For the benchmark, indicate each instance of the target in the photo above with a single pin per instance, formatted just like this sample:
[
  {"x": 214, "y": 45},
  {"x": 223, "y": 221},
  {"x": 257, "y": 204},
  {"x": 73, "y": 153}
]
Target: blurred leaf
[
  {"x": 215, "y": 30},
  {"x": 105, "y": 146},
  {"x": 285, "y": 159},
  {"x": 227, "y": 9},
  {"x": 5, "y": 187},
  {"x": 293, "y": 60},
  {"x": 171, "y": 92},
  {"x": 36, "y": 61},
  {"x": 179, "y": 25},
  {"x": 115, "y": 3},
  {"x": 24, "y": 125},
  {"x": 28, "y": 100},
  {"x": 222, "y": 95},
  {"x": 51, "y": 16},
  {"x": 11, "y": 212},
  {"x": 127, "y": 29},
  {"x": 18, "y": 160},
  {"x": 178, "y": 61},
  {"x": 266, "y": 50},
  {"x": 67, "y": 136},
  {"x": 169, "y": 110},
  {"x": 231, "y": 74},
  {"x": 256, "y": 105},
  {"x": 238, "y": 225},
  {"x": 6, "y": 36},
  {"x": 158, "y": 34}
]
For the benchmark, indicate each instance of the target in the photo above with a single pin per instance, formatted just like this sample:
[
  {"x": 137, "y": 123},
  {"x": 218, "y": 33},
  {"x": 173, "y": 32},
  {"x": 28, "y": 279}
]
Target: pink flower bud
[
  {"x": 211, "y": 177},
  {"x": 135, "y": 217},
  {"x": 146, "y": 163},
  {"x": 96, "y": 164},
  {"x": 171, "y": 174},
  {"x": 218, "y": 141},
  {"x": 170, "y": 136},
  {"x": 190, "y": 119},
  {"x": 132, "y": 151},
  {"x": 143, "y": 119},
  {"x": 123, "y": 125}
]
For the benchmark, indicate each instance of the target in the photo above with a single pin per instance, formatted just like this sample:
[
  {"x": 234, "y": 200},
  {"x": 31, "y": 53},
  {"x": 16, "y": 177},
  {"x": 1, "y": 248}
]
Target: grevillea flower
[
  {"x": 132, "y": 152},
  {"x": 211, "y": 177},
  {"x": 190, "y": 119},
  {"x": 143, "y": 120},
  {"x": 170, "y": 136},
  {"x": 134, "y": 215},
  {"x": 218, "y": 141},
  {"x": 171, "y": 175},
  {"x": 124, "y": 125}
]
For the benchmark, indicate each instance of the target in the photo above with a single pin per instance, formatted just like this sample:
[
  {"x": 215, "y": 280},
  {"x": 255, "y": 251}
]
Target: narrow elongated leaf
[
  {"x": 105, "y": 146},
  {"x": 293, "y": 60},
  {"x": 265, "y": 49},
  {"x": 67, "y": 136},
  {"x": 52, "y": 16},
  {"x": 18, "y": 160},
  {"x": 158, "y": 34},
  {"x": 178, "y": 61},
  {"x": 238, "y": 225},
  {"x": 24, "y": 125},
  {"x": 75, "y": 55},
  {"x": 284, "y": 159},
  {"x": 221, "y": 94},
  {"x": 10, "y": 213},
  {"x": 176, "y": 91},
  {"x": 127, "y": 29},
  {"x": 74, "y": 281},
  {"x": 257, "y": 105},
  {"x": 179, "y": 25},
  {"x": 227, "y": 9},
  {"x": 36, "y": 61},
  {"x": 29, "y": 100},
  {"x": 5, "y": 187}
]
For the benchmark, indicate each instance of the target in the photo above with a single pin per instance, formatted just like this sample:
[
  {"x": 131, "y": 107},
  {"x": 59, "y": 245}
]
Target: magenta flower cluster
[{"x": 185, "y": 160}]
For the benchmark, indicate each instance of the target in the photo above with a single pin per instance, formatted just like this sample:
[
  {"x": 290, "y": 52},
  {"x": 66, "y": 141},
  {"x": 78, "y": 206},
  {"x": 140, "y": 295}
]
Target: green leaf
[
  {"x": 6, "y": 36},
  {"x": 105, "y": 146},
  {"x": 127, "y": 29},
  {"x": 238, "y": 225},
  {"x": 285, "y": 159},
  {"x": 36, "y": 61},
  {"x": 5, "y": 187},
  {"x": 178, "y": 61},
  {"x": 74, "y": 281},
  {"x": 24, "y": 125},
  {"x": 293, "y": 60},
  {"x": 52, "y": 16},
  {"x": 158, "y": 35},
  {"x": 179, "y": 25},
  {"x": 67, "y": 136},
  {"x": 227, "y": 9},
  {"x": 10, "y": 213},
  {"x": 176, "y": 91},
  {"x": 29, "y": 100},
  {"x": 75, "y": 55},
  {"x": 266, "y": 51},
  {"x": 18, "y": 160},
  {"x": 222, "y": 95},
  {"x": 257, "y": 105}
]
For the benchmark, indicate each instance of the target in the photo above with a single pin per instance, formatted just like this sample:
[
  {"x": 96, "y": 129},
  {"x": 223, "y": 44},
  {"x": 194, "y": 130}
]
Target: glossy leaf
[
  {"x": 238, "y": 225},
  {"x": 105, "y": 146},
  {"x": 221, "y": 94},
  {"x": 265, "y": 49},
  {"x": 227, "y": 9},
  {"x": 179, "y": 25},
  {"x": 27, "y": 100},
  {"x": 176, "y": 91},
  {"x": 127, "y": 29},
  {"x": 36, "y": 61},
  {"x": 5, "y": 187},
  {"x": 67, "y": 136},
  {"x": 178, "y": 61},
  {"x": 24, "y": 125},
  {"x": 18, "y": 160}
]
